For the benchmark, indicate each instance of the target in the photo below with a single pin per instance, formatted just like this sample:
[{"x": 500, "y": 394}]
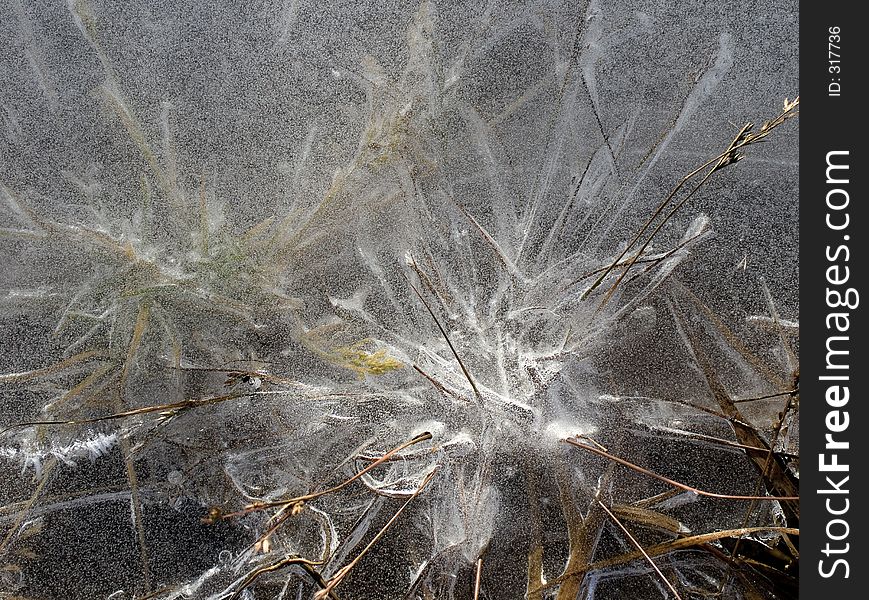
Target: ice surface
[{"x": 304, "y": 298}]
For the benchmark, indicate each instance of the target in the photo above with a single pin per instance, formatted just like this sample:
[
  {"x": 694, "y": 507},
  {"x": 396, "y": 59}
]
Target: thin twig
[
  {"x": 307, "y": 565},
  {"x": 438, "y": 385},
  {"x": 664, "y": 548},
  {"x": 477, "y": 578},
  {"x": 345, "y": 570},
  {"x": 774, "y": 473},
  {"x": 58, "y": 366},
  {"x": 28, "y": 504},
  {"x": 449, "y": 343},
  {"x": 639, "y": 547},
  {"x": 166, "y": 410},
  {"x": 669, "y": 481},
  {"x": 139, "y": 331},
  {"x": 765, "y": 474},
  {"x": 299, "y": 500},
  {"x": 744, "y": 138},
  {"x": 767, "y": 396}
]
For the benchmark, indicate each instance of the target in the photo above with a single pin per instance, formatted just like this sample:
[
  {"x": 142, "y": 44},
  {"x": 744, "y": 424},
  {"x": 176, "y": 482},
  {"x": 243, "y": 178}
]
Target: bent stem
[
  {"x": 682, "y": 486},
  {"x": 336, "y": 579},
  {"x": 731, "y": 155},
  {"x": 683, "y": 543},
  {"x": 301, "y": 500},
  {"x": 639, "y": 547}
]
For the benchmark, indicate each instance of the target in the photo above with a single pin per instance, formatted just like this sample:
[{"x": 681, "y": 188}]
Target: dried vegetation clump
[{"x": 393, "y": 386}]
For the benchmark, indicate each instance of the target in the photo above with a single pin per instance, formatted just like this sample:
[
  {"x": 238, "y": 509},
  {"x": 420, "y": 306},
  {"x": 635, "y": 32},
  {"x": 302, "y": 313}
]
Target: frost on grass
[{"x": 420, "y": 301}]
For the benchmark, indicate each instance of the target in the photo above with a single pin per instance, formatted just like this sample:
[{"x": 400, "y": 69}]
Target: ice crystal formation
[{"x": 398, "y": 300}]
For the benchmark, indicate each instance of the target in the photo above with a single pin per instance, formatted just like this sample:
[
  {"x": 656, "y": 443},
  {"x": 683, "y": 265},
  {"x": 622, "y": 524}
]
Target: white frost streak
[
  {"x": 704, "y": 88},
  {"x": 91, "y": 448},
  {"x": 287, "y": 21}
]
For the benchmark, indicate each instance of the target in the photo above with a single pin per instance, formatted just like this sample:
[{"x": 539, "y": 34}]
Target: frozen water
[{"x": 307, "y": 297}]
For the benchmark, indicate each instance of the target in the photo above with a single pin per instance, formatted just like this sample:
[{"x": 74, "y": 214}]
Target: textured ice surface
[{"x": 249, "y": 249}]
